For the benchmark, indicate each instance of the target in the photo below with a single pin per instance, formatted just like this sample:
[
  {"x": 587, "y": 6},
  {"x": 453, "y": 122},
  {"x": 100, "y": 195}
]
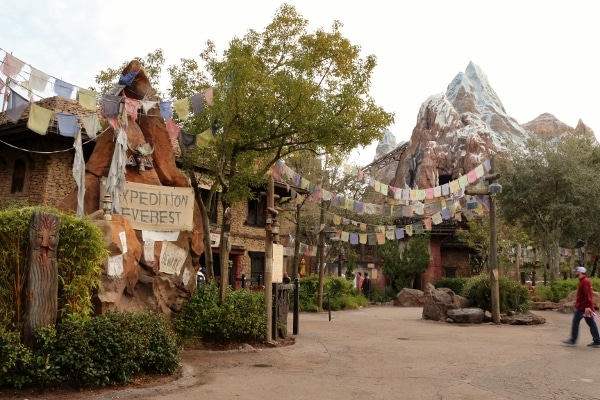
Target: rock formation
[
  {"x": 141, "y": 285},
  {"x": 548, "y": 128},
  {"x": 459, "y": 129},
  {"x": 385, "y": 146}
]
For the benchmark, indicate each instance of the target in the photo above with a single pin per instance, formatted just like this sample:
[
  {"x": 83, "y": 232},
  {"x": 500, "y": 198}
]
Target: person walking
[
  {"x": 584, "y": 308},
  {"x": 366, "y": 286}
]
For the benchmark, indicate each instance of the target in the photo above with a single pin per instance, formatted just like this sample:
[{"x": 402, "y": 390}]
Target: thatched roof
[{"x": 56, "y": 104}]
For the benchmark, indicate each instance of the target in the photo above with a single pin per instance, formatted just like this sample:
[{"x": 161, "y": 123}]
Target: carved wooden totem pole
[{"x": 42, "y": 283}]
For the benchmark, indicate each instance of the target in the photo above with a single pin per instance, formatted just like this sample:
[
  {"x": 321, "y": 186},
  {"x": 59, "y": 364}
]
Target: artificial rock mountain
[
  {"x": 457, "y": 130},
  {"x": 141, "y": 285}
]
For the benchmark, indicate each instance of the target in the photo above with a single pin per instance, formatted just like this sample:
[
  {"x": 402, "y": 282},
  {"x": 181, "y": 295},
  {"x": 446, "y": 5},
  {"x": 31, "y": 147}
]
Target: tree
[
  {"x": 278, "y": 92},
  {"x": 552, "y": 188},
  {"x": 400, "y": 266},
  {"x": 477, "y": 237}
]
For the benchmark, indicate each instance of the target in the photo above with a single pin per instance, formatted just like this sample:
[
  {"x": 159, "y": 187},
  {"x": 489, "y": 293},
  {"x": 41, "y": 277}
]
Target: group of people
[{"x": 363, "y": 284}]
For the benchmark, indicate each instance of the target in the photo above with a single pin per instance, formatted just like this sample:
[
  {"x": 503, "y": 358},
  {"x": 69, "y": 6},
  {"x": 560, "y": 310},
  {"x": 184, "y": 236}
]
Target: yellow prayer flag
[
  {"x": 39, "y": 119},
  {"x": 87, "y": 98},
  {"x": 182, "y": 107},
  {"x": 205, "y": 138}
]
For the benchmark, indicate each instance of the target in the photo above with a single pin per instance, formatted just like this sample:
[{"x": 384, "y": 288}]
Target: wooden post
[
  {"x": 269, "y": 262},
  {"x": 494, "y": 272},
  {"x": 321, "y": 257},
  {"x": 493, "y": 248},
  {"x": 42, "y": 284}
]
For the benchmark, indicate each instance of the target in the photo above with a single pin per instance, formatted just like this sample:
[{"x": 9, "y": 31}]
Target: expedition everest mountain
[{"x": 458, "y": 129}]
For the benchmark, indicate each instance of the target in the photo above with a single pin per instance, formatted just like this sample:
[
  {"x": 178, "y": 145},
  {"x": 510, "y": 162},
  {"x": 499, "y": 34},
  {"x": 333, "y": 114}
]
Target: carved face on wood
[{"x": 44, "y": 231}]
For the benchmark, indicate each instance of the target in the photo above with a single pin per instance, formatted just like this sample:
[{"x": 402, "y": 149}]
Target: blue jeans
[{"x": 577, "y": 316}]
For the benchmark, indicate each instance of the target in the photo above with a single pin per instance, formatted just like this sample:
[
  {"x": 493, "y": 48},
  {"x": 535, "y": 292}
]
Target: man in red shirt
[{"x": 584, "y": 308}]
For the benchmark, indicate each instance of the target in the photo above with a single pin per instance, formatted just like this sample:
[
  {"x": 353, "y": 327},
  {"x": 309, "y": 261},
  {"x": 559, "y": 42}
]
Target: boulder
[
  {"x": 466, "y": 315},
  {"x": 567, "y": 305},
  {"x": 544, "y": 305},
  {"x": 409, "y": 298},
  {"x": 522, "y": 319},
  {"x": 437, "y": 302}
]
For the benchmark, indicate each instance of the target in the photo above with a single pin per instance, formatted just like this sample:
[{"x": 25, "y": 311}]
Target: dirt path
[{"x": 391, "y": 353}]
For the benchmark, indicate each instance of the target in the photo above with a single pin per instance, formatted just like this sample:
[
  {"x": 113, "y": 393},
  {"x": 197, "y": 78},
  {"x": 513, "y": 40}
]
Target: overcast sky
[{"x": 539, "y": 56}]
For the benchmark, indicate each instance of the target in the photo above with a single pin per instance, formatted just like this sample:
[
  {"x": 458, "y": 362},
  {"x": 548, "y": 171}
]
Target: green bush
[
  {"x": 562, "y": 287},
  {"x": 240, "y": 318},
  {"x": 15, "y": 359},
  {"x": 513, "y": 295},
  {"x": 342, "y": 294},
  {"x": 80, "y": 255},
  {"x": 383, "y": 295},
  {"x": 106, "y": 350},
  {"x": 543, "y": 293},
  {"x": 454, "y": 284}
]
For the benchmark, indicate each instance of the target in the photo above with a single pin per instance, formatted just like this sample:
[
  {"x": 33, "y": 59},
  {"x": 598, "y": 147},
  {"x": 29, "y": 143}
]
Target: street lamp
[{"x": 493, "y": 188}]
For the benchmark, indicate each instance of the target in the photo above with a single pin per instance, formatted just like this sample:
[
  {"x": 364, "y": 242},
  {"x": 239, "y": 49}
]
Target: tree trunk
[
  {"x": 518, "y": 263},
  {"x": 42, "y": 284},
  {"x": 208, "y": 256},
  {"x": 224, "y": 251}
]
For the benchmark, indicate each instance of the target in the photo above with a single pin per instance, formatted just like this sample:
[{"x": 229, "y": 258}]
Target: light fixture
[
  {"x": 495, "y": 188},
  {"x": 472, "y": 204},
  {"x": 107, "y": 207}
]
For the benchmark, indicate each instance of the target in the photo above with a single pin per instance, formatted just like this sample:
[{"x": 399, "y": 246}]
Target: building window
[
  {"x": 449, "y": 272},
  {"x": 257, "y": 268},
  {"x": 257, "y": 211},
  {"x": 18, "y": 179}
]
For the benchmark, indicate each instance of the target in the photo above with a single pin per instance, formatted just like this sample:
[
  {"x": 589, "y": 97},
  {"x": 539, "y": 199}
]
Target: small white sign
[
  {"x": 149, "y": 250},
  {"x": 123, "y": 237},
  {"x": 215, "y": 240},
  {"x": 277, "y": 263},
  {"x": 115, "y": 265},
  {"x": 172, "y": 258}
]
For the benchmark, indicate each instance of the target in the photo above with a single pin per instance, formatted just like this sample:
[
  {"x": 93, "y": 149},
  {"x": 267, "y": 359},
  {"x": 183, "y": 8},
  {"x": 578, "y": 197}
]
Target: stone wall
[
  {"x": 248, "y": 237},
  {"x": 48, "y": 175},
  {"x": 456, "y": 258}
]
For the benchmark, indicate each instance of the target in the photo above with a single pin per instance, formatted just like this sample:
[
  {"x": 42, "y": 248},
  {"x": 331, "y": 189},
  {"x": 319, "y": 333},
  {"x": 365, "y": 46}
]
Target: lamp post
[{"x": 492, "y": 190}]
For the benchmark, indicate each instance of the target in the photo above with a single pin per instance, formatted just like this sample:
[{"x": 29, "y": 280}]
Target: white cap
[{"x": 580, "y": 269}]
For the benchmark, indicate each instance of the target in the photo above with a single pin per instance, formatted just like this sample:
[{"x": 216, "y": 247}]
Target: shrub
[
  {"x": 543, "y": 293},
  {"x": 107, "y": 350},
  {"x": 116, "y": 346},
  {"x": 513, "y": 296},
  {"x": 342, "y": 294},
  {"x": 240, "y": 318},
  {"x": 80, "y": 255},
  {"x": 14, "y": 360},
  {"x": 562, "y": 287},
  {"x": 383, "y": 295},
  {"x": 454, "y": 284}
]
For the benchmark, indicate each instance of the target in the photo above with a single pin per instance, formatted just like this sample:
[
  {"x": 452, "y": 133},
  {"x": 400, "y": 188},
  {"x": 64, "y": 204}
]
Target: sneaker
[
  {"x": 595, "y": 345},
  {"x": 569, "y": 342}
]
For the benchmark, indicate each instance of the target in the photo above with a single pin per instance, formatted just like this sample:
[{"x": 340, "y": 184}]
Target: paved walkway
[{"x": 385, "y": 352}]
